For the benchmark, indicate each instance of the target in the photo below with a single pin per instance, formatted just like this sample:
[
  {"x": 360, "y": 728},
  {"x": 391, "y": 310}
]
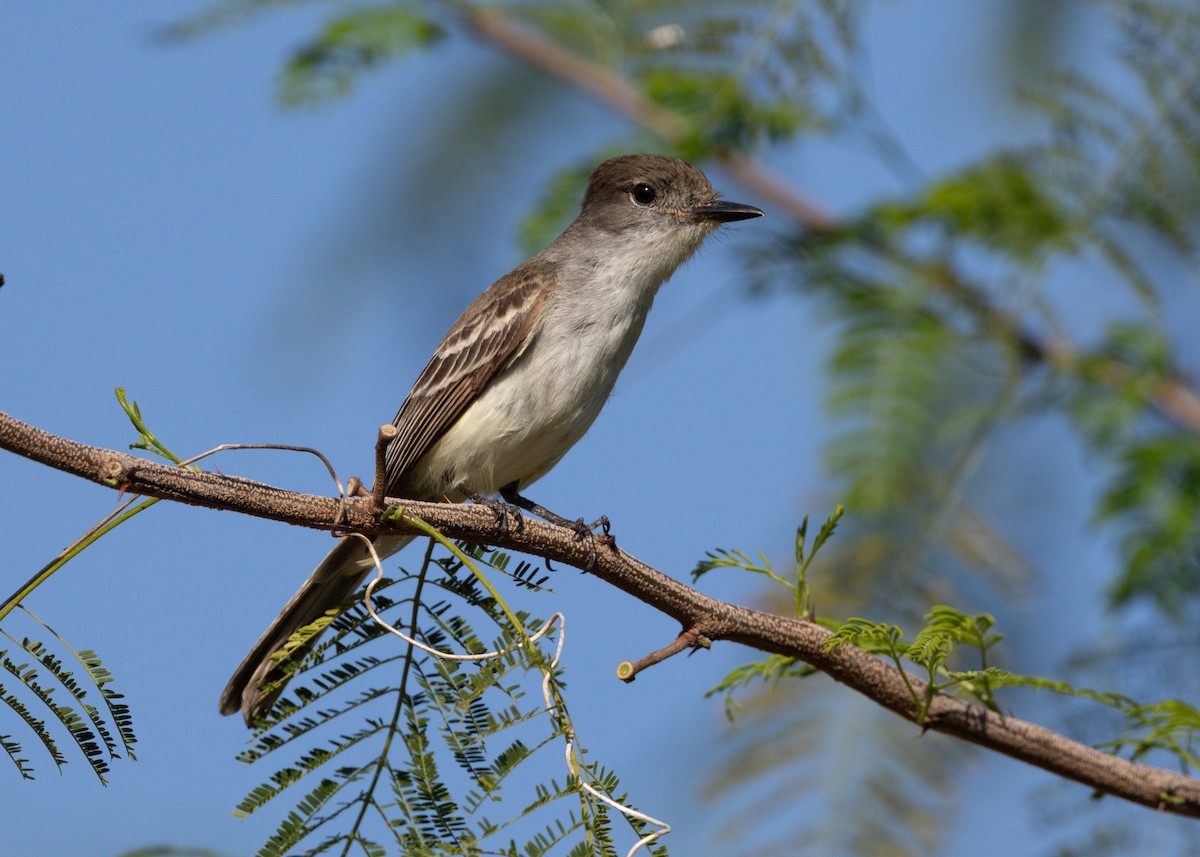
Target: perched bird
[{"x": 521, "y": 376}]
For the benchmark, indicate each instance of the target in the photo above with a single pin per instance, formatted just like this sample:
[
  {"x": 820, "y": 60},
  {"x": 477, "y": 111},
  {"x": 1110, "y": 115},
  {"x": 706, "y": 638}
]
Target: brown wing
[{"x": 492, "y": 330}]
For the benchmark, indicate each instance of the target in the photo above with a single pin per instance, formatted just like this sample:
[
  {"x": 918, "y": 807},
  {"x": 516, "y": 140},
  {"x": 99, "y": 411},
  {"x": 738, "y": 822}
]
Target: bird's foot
[
  {"x": 581, "y": 529},
  {"x": 504, "y": 512}
]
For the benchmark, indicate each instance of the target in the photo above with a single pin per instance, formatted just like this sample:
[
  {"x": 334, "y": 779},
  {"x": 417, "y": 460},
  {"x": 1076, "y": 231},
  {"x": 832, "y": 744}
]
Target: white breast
[{"x": 546, "y": 400}]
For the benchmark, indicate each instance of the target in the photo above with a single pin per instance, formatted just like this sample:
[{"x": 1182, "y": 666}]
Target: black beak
[{"x": 724, "y": 212}]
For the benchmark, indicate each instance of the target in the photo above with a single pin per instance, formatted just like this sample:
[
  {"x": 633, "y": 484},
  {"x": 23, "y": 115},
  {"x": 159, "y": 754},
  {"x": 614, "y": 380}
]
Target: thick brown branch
[{"x": 702, "y": 616}]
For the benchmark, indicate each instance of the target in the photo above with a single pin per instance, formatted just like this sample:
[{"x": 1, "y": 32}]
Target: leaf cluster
[
  {"x": 428, "y": 748},
  {"x": 1171, "y": 726},
  {"x": 943, "y": 302},
  {"x": 942, "y": 295},
  {"x": 100, "y": 732}
]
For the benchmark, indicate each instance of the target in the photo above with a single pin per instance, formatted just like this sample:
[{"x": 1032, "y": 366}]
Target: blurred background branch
[{"x": 972, "y": 324}]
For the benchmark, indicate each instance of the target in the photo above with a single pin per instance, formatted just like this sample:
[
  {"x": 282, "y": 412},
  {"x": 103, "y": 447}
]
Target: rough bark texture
[{"x": 701, "y": 617}]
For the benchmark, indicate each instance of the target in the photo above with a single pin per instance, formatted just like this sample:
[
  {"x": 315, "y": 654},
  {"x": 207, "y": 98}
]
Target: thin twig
[
  {"x": 688, "y": 640},
  {"x": 387, "y": 433}
]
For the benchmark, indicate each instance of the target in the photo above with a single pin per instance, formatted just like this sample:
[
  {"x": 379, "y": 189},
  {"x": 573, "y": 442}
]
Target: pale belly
[
  {"x": 546, "y": 399},
  {"x": 532, "y": 414}
]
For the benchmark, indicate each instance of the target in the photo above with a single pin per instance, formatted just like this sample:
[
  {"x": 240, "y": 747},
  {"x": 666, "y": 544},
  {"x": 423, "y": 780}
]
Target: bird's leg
[
  {"x": 502, "y": 511},
  {"x": 582, "y": 530}
]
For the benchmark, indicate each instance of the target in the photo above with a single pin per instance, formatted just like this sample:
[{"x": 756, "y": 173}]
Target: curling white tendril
[{"x": 574, "y": 764}]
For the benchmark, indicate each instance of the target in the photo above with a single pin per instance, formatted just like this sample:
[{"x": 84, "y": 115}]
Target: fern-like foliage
[
  {"x": 941, "y": 295},
  {"x": 1170, "y": 726},
  {"x": 938, "y": 298},
  {"x": 63, "y": 696},
  {"x": 741, "y": 74},
  {"x": 941, "y": 298},
  {"x": 952, "y": 652},
  {"x": 785, "y": 768},
  {"x": 418, "y": 755},
  {"x": 1153, "y": 496},
  {"x": 797, "y": 755},
  {"x": 791, "y": 57}
]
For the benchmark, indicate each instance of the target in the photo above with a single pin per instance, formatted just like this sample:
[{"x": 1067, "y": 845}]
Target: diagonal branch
[
  {"x": 703, "y": 618},
  {"x": 1173, "y": 396}
]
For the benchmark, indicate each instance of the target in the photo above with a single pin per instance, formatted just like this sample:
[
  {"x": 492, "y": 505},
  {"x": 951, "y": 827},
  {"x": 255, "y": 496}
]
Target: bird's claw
[
  {"x": 504, "y": 512},
  {"x": 588, "y": 531}
]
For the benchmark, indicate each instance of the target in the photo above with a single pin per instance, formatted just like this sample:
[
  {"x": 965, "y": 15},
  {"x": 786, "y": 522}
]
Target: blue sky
[
  {"x": 169, "y": 229},
  {"x": 255, "y": 275}
]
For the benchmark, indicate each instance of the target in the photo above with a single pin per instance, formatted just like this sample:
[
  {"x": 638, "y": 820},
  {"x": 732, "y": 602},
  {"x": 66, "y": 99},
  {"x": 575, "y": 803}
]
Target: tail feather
[{"x": 341, "y": 572}]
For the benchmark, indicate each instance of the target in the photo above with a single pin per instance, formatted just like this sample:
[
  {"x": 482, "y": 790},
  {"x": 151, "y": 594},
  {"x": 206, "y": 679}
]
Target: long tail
[{"x": 339, "y": 574}]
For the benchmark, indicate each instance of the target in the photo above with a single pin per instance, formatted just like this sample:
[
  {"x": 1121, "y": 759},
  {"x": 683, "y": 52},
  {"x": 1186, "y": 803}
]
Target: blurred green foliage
[{"x": 945, "y": 299}]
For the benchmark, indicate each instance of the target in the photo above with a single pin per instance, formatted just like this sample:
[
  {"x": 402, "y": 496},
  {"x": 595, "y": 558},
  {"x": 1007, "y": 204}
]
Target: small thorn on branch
[{"x": 688, "y": 639}]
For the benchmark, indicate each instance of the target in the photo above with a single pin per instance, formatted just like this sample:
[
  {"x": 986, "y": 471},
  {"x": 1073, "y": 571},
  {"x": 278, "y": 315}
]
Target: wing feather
[{"x": 487, "y": 336}]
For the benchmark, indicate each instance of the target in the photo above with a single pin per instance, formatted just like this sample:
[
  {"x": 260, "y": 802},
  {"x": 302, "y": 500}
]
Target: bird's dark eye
[{"x": 644, "y": 194}]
